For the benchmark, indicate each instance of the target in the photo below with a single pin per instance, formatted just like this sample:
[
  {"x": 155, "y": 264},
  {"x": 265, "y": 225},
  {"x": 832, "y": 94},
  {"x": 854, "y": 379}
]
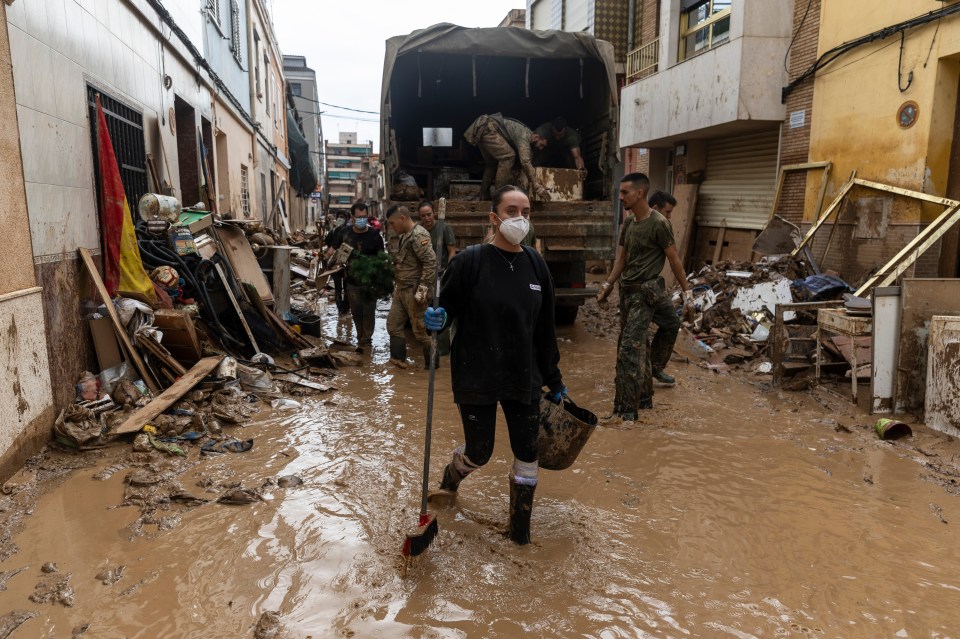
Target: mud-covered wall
[
  {"x": 858, "y": 96},
  {"x": 26, "y": 411}
]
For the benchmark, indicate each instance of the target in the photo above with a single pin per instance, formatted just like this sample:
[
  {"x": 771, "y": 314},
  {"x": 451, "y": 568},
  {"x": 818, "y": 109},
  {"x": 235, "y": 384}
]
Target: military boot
[
  {"x": 521, "y": 507},
  {"x": 398, "y": 348}
]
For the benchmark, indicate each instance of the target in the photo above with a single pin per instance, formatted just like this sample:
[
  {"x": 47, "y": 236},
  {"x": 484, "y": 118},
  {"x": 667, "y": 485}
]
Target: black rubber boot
[
  {"x": 451, "y": 479},
  {"x": 398, "y": 348},
  {"x": 521, "y": 507}
]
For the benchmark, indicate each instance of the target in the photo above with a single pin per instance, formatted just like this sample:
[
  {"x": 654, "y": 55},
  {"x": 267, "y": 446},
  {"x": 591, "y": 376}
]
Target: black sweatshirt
[{"x": 505, "y": 343}]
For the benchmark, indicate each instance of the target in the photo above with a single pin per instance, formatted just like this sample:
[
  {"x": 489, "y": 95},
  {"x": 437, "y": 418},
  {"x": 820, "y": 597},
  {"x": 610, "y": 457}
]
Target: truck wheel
[{"x": 565, "y": 315}]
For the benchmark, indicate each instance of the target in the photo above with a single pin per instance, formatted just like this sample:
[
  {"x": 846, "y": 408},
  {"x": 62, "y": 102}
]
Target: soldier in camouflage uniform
[
  {"x": 502, "y": 141},
  {"x": 414, "y": 273},
  {"x": 646, "y": 241}
]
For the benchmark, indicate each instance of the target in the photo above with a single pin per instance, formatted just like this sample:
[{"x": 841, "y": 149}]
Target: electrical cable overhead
[
  {"x": 334, "y": 106},
  {"x": 880, "y": 34}
]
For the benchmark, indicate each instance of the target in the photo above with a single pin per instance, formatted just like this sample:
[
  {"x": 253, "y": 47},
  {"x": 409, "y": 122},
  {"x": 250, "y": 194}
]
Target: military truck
[{"x": 437, "y": 80}]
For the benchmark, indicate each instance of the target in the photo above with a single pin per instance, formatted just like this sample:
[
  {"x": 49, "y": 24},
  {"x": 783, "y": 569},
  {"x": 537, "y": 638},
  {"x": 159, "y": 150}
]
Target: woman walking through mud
[{"x": 500, "y": 297}]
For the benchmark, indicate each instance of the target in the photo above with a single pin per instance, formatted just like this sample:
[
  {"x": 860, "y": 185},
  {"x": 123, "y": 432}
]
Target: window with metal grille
[
  {"x": 213, "y": 10},
  {"x": 125, "y": 125},
  {"x": 235, "y": 31},
  {"x": 244, "y": 192}
]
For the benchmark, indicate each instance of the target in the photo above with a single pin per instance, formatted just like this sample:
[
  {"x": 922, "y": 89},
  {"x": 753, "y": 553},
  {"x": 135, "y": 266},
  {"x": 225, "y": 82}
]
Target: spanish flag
[{"x": 122, "y": 267}]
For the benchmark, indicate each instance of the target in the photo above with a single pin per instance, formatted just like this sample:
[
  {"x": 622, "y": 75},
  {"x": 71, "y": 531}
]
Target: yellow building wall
[{"x": 856, "y": 100}]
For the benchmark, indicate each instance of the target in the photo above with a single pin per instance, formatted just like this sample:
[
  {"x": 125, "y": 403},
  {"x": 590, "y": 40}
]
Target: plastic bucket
[
  {"x": 564, "y": 430},
  {"x": 310, "y": 324}
]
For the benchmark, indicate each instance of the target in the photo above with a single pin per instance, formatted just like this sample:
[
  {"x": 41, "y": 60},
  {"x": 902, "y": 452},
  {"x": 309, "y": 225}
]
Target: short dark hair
[
  {"x": 398, "y": 209},
  {"x": 639, "y": 180},
  {"x": 357, "y": 206},
  {"x": 343, "y": 213},
  {"x": 660, "y": 199},
  {"x": 559, "y": 124},
  {"x": 503, "y": 190},
  {"x": 424, "y": 203}
]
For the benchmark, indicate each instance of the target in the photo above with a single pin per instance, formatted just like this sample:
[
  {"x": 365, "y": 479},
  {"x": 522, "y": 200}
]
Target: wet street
[{"x": 734, "y": 510}]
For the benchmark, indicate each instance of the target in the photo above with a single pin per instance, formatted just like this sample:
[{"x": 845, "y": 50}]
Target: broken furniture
[
  {"x": 886, "y": 346},
  {"x": 942, "y": 408},
  {"x": 792, "y": 345},
  {"x": 838, "y": 321}
]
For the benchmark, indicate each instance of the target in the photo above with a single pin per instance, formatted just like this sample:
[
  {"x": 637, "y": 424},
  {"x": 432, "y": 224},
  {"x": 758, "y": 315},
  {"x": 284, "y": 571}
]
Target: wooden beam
[
  {"x": 117, "y": 326},
  {"x": 917, "y": 195},
  {"x": 824, "y": 181},
  {"x": 236, "y": 307},
  {"x": 805, "y": 166},
  {"x": 281, "y": 279},
  {"x": 719, "y": 249},
  {"x": 893, "y": 269},
  {"x": 168, "y": 397},
  {"x": 823, "y": 218}
]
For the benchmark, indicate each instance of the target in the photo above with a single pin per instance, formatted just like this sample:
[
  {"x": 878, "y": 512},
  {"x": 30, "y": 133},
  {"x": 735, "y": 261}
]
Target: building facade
[
  {"x": 344, "y": 160},
  {"x": 174, "y": 81},
  {"x": 270, "y": 171},
  {"x": 885, "y": 105},
  {"x": 706, "y": 107},
  {"x": 27, "y": 413},
  {"x": 302, "y": 84}
]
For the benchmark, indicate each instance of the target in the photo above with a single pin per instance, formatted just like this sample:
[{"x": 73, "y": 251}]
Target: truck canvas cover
[{"x": 447, "y": 75}]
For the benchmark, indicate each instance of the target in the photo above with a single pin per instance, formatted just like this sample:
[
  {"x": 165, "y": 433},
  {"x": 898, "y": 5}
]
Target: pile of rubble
[{"x": 735, "y": 309}]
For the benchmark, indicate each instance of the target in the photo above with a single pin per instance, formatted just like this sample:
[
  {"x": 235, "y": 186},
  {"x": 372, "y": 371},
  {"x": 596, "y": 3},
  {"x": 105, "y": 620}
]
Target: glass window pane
[
  {"x": 721, "y": 31},
  {"x": 721, "y": 5}
]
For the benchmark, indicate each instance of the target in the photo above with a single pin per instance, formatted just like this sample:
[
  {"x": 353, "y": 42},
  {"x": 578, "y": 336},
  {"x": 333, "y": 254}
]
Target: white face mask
[{"x": 514, "y": 229}]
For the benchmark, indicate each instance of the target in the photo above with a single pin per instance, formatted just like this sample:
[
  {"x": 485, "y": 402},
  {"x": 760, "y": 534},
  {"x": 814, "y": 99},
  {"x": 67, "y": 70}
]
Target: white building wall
[
  {"x": 729, "y": 86},
  {"x": 107, "y": 44}
]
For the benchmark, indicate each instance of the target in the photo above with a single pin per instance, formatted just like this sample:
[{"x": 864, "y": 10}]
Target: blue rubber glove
[
  {"x": 435, "y": 318},
  {"x": 557, "y": 397}
]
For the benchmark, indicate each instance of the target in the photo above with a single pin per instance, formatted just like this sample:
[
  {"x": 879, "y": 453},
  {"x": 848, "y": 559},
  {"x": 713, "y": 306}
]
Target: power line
[{"x": 334, "y": 106}]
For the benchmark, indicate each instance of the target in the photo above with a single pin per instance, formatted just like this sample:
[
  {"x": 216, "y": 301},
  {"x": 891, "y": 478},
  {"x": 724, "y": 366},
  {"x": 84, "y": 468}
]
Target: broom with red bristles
[{"x": 427, "y": 528}]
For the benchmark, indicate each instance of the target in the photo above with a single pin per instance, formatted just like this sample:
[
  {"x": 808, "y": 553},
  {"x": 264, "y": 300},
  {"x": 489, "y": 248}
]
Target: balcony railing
[{"x": 643, "y": 61}]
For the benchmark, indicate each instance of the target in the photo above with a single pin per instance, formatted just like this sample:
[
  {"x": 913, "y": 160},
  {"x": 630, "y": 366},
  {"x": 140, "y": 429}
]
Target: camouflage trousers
[
  {"x": 636, "y": 359},
  {"x": 499, "y": 157},
  {"x": 404, "y": 308}
]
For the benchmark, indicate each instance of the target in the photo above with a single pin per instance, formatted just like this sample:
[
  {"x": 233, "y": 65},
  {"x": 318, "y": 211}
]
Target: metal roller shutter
[{"x": 741, "y": 178}]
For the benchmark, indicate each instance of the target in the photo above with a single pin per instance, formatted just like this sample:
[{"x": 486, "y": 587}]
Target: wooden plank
[
  {"x": 719, "y": 249},
  {"x": 290, "y": 378},
  {"x": 942, "y": 410},
  {"x": 281, "y": 279},
  {"x": 168, "y": 397},
  {"x": 242, "y": 260},
  {"x": 776, "y": 193},
  {"x": 291, "y": 335},
  {"x": 805, "y": 165},
  {"x": 889, "y": 272},
  {"x": 823, "y": 218},
  {"x": 824, "y": 182},
  {"x": 236, "y": 306},
  {"x": 682, "y": 221},
  {"x": 916, "y": 195},
  {"x": 921, "y": 299},
  {"x": 131, "y": 350},
  {"x": 161, "y": 353}
]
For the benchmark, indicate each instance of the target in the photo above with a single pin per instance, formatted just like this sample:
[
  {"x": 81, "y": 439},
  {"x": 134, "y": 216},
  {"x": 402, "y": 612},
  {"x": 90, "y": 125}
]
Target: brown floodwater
[{"x": 734, "y": 510}]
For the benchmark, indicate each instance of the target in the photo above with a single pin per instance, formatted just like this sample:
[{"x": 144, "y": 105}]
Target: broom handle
[{"x": 441, "y": 214}]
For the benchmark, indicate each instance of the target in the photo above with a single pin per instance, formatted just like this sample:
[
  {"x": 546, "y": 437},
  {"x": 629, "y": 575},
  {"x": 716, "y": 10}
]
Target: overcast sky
[{"x": 343, "y": 42}]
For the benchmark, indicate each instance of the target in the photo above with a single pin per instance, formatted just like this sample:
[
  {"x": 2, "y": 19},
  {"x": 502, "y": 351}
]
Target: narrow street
[{"x": 733, "y": 510}]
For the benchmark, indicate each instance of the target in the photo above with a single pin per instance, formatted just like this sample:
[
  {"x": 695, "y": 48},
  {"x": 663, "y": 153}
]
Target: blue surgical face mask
[{"x": 360, "y": 222}]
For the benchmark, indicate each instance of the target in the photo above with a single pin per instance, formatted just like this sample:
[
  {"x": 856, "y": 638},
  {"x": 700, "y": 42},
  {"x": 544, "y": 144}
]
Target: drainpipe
[{"x": 632, "y": 28}]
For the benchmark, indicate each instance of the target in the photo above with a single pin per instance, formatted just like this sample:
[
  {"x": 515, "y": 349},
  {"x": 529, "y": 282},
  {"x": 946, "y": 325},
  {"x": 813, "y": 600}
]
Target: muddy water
[{"x": 732, "y": 511}]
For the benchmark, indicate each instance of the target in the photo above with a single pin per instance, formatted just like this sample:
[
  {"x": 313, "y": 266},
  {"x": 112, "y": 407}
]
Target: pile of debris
[
  {"x": 209, "y": 321},
  {"x": 736, "y": 304}
]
